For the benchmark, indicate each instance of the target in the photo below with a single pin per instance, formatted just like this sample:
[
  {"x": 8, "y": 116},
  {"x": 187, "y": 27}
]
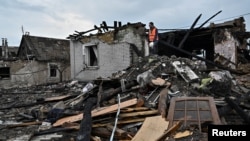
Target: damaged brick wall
[
  {"x": 115, "y": 52},
  {"x": 134, "y": 36},
  {"x": 111, "y": 58}
]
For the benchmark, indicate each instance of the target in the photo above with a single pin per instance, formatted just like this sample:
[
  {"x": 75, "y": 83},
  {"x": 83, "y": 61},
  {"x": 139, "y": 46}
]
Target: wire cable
[{"x": 116, "y": 119}]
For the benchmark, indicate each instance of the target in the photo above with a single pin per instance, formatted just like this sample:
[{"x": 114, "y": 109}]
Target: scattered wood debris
[{"x": 144, "y": 105}]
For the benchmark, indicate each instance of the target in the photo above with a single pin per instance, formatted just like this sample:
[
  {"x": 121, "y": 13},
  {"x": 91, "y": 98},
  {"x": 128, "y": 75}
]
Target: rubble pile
[{"x": 133, "y": 104}]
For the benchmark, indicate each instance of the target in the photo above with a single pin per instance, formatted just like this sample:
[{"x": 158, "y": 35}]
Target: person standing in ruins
[{"x": 153, "y": 38}]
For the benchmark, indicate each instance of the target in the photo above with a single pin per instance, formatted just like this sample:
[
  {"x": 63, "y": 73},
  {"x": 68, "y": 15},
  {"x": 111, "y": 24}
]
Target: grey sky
[{"x": 60, "y": 18}]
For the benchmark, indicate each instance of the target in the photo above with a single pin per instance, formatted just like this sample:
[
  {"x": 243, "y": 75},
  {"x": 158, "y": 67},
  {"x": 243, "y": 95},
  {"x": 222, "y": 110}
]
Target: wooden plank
[
  {"x": 118, "y": 131},
  {"x": 96, "y": 112},
  {"x": 170, "y": 131},
  {"x": 120, "y": 122},
  {"x": 130, "y": 121},
  {"x": 158, "y": 81},
  {"x": 125, "y": 110},
  {"x": 142, "y": 113},
  {"x": 151, "y": 129},
  {"x": 56, "y": 98},
  {"x": 183, "y": 134},
  {"x": 24, "y": 124}
]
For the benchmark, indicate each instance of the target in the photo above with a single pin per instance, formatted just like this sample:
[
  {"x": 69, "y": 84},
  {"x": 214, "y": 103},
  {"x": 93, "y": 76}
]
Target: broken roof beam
[
  {"x": 79, "y": 34},
  {"x": 98, "y": 28},
  {"x": 209, "y": 19},
  {"x": 104, "y": 26},
  {"x": 189, "y": 31},
  {"x": 84, "y": 32}
]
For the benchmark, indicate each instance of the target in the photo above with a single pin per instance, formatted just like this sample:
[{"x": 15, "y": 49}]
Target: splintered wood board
[
  {"x": 151, "y": 129},
  {"x": 96, "y": 112}
]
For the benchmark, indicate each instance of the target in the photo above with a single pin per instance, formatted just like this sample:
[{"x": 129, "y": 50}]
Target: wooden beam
[
  {"x": 96, "y": 112},
  {"x": 189, "y": 31},
  {"x": 135, "y": 114},
  {"x": 127, "y": 121},
  {"x": 171, "y": 130}
]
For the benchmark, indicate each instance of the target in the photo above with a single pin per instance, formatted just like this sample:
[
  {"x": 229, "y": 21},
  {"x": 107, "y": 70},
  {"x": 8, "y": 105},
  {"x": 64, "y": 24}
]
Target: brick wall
[{"x": 112, "y": 56}]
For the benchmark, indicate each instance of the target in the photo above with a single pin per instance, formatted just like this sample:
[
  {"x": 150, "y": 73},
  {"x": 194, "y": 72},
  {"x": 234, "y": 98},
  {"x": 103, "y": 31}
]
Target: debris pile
[{"x": 157, "y": 98}]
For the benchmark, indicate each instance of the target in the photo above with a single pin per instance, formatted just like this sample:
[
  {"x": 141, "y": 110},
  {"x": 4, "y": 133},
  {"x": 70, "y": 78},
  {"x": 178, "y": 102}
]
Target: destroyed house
[
  {"x": 158, "y": 98},
  {"x": 218, "y": 43},
  {"x": 108, "y": 51},
  {"x": 41, "y": 60},
  {"x": 7, "y": 52},
  {"x": 7, "y": 55},
  {"x": 112, "y": 49}
]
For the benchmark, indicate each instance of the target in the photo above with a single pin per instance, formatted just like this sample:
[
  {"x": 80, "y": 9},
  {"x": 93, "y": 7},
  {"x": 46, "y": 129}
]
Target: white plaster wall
[
  {"x": 112, "y": 58},
  {"x": 227, "y": 48}
]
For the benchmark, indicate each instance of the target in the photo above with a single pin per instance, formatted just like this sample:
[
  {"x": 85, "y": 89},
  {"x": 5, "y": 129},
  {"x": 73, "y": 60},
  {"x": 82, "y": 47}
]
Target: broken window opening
[
  {"x": 5, "y": 72},
  {"x": 53, "y": 70},
  {"x": 91, "y": 56}
]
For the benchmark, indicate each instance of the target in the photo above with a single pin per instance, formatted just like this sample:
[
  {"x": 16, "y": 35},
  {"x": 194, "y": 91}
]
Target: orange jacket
[{"x": 153, "y": 34}]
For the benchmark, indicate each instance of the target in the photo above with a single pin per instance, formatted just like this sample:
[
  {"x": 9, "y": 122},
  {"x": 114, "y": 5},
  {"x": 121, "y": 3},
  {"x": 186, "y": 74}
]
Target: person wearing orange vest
[{"x": 153, "y": 38}]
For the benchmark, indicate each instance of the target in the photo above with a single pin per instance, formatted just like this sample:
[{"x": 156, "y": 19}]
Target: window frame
[
  {"x": 90, "y": 56},
  {"x": 53, "y": 67}
]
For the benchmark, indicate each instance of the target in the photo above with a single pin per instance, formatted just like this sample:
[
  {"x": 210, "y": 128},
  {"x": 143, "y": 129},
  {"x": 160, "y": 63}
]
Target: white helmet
[{"x": 151, "y": 44}]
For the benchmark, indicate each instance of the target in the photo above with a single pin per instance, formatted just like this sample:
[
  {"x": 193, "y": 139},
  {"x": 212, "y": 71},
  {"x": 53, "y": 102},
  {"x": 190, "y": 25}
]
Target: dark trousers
[{"x": 154, "y": 50}]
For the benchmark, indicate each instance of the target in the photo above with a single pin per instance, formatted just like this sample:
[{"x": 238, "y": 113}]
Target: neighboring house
[
  {"x": 100, "y": 55},
  {"x": 41, "y": 60}
]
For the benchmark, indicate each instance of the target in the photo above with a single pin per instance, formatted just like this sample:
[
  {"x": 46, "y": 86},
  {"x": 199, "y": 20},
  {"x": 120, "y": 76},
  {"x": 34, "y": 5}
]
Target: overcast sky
[{"x": 60, "y": 18}]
